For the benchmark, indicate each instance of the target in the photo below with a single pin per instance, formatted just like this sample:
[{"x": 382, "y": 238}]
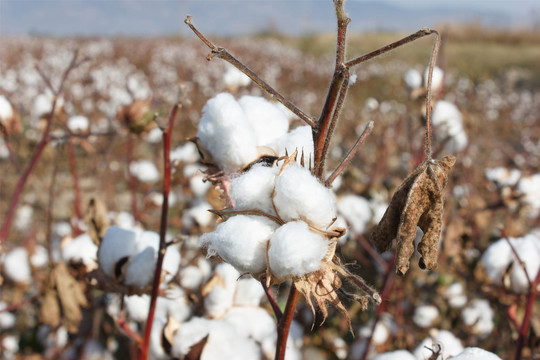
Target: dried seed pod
[
  {"x": 417, "y": 202},
  {"x": 138, "y": 117}
]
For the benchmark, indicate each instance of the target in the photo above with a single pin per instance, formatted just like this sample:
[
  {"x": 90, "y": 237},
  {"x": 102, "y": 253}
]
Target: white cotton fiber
[
  {"x": 474, "y": 353},
  {"x": 226, "y": 134},
  {"x": 395, "y": 355},
  {"x": 502, "y": 176},
  {"x": 241, "y": 241},
  {"x": 197, "y": 214},
  {"x": 499, "y": 255},
  {"x": 40, "y": 257},
  {"x": 115, "y": 245},
  {"x": 186, "y": 153},
  {"x": 252, "y": 322},
  {"x": 425, "y": 315},
  {"x": 7, "y": 319},
  {"x": 299, "y": 195},
  {"x": 234, "y": 78},
  {"x": 301, "y": 139},
  {"x": 253, "y": 189},
  {"x": 16, "y": 265},
  {"x": 78, "y": 123},
  {"x": 436, "y": 80},
  {"x": 530, "y": 188},
  {"x": 267, "y": 120},
  {"x": 137, "y": 306},
  {"x": 412, "y": 78},
  {"x": 140, "y": 268},
  {"x": 249, "y": 292},
  {"x": 357, "y": 211},
  {"x": 455, "y": 296},
  {"x": 191, "y": 278},
  {"x": 145, "y": 171},
  {"x": 220, "y": 298},
  {"x": 225, "y": 342},
  {"x": 23, "y": 217},
  {"x": 6, "y": 111},
  {"x": 295, "y": 250},
  {"x": 189, "y": 334},
  {"x": 81, "y": 249},
  {"x": 479, "y": 315},
  {"x": 451, "y": 345}
]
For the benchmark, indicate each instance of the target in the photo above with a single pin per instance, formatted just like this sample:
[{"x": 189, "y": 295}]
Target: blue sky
[{"x": 234, "y": 17}]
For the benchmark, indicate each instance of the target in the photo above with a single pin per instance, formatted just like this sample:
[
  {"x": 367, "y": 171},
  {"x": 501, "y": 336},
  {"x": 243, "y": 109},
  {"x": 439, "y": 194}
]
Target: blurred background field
[{"x": 491, "y": 75}]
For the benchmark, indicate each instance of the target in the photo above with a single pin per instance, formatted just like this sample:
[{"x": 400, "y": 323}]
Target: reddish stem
[
  {"x": 76, "y": 190},
  {"x": 272, "y": 300},
  {"x": 524, "y": 330},
  {"x": 18, "y": 305},
  {"x": 285, "y": 324},
  {"x": 162, "y": 232}
]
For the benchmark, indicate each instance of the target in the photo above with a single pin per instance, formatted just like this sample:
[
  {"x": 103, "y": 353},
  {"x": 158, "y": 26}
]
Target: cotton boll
[
  {"x": 474, "y": 353},
  {"x": 412, "y": 78},
  {"x": 140, "y": 268},
  {"x": 7, "y": 319},
  {"x": 502, "y": 176},
  {"x": 299, "y": 195},
  {"x": 155, "y": 136},
  {"x": 454, "y": 295},
  {"x": 156, "y": 350},
  {"x": 295, "y": 250},
  {"x": 137, "y": 307},
  {"x": 78, "y": 124},
  {"x": 23, "y": 217},
  {"x": 225, "y": 342},
  {"x": 267, "y": 120},
  {"x": 253, "y": 189},
  {"x": 529, "y": 187},
  {"x": 198, "y": 186},
  {"x": 40, "y": 257},
  {"x": 117, "y": 243},
  {"x": 378, "y": 209},
  {"x": 174, "y": 303},
  {"x": 189, "y": 334},
  {"x": 249, "y": 292},
  {"x": 6, "y": 110},
  {"x": 81, "y": 249},
  {"x": 241, "y": 241},
  {"x": 395, "y": 355},
  {"x": 197, "y": 214},
  {"x": 436, "y": 80},
  {"x": 221, "y": 297},
  {"x": 457, "y": 142},
  {"x": 171, "y": 262},
  {"x": 425, "y": 315},
  {"x": 450, "y": 344},
  {"x": 234, "y": 78},
  {"x": 145, "y": 171},
  {"x": 226, "y": 134},
  {"x": 357, "y": 211},
  {"x": 252, "y": 322},
  {"x": 495, "y": 260},
  {"x": 191, "y": 278},
  {"x": 17, "y": 267},
  {"x": 479, "y": 315},
  {"x": 10, "y": 345},
  {"x": 186, "y": 153},
  {"x": 300, "y": 139}
]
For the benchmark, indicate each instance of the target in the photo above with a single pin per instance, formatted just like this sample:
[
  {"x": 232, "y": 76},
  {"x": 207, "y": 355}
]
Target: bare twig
[
  {"x": 285, "y": 324},
  {"x": 167, "y": 132},
  {"x": 428, "y": 95},
  {"x": 76, "y": 190},
  {"x": 272, "y": 299},
  {"x": 361, "y": 139},
  {"x": 222, "y": 53}
]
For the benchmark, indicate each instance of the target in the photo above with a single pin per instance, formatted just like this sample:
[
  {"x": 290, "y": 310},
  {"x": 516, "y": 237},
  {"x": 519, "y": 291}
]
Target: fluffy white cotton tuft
[
  {"x": 425, "y": 315},
  {"x": 241, "y": 241},
  {"x": 395, "y": 355},
  {"x": 234, "y": 78},
  {"x": 436, "y": 80},
  {"x": 295, "y": 250},
  {"x": 249, "y": 292},
  {"x": 455, "y": 296},
  {"x": 40, "y": 257},
  {"x": 6, "y": 110},
  {"x": 252, "y": 322},
  {"x": 299, "y": 195},
  {"x": 300, "y": 139},
  {"x": 7, "y": 319},
  {"x": 448, "y": 123},
  {"x": 479, "y": 315},
  {"x": 253, "y": 189},
  {"x": 186, "y": 153},
  {"x": 356, "y": 210},
  {"x": 145, "y": 171},
  {"x": 115, "y": 245},
  {"x": 189, "y": 334},
  {"x": 474, "y": 353},
  {"x": 412, "y": 78},
  {"x": 267, "y": 120},
  {"x": 81, "y": 249},
  {"x": 78, "y": 123},
  {"x": 137, "y": 306},
  {"x": 451, "y": 345},
  {"x": 528, "y": 186},
  {"x": 502, "y": 176},
  {"x": 498, "y": 256},
  {"x": 226, "y": 134},
  {"x": 17, "y": 266},
  {"x": 23, "y": 217}
]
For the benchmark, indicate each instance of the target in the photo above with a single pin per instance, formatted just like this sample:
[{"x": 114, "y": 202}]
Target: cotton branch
[{"x": 222, "y": 53}]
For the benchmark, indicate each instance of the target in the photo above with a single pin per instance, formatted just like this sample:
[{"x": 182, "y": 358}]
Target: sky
[{"x": 236, "y": 17}]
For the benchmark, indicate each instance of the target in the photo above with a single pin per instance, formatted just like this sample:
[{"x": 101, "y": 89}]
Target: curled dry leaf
[
  {"x": 417, "y": 202},
  {"x": 97, "y": 219}
]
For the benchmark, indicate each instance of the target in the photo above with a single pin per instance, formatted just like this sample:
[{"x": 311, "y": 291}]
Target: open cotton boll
[
  {"x": 479, "y": 315},
  {"x": 78, "y": 123},
  {"x": 154, "y": 136},
  {"x": 140, "y": 268},
  {"x": 221, "y": 296},
  {"x": 425, "y": 315},
  {"x": 23, "y": 217},
  {"x": 241, "y": 241},
  {"x": 145, "y": 171},
  {"x": 197, "y": 214},
  {"x": 436, "y": 80},
  {"x": 10, "y": 345},
  {"x": 115, "y": 245},
  {"x": 191, "y": 278},
  {"x": 81, "y": 249},
  {"x": 234, "y": 78},
  {"x": 226, "y": 134},
  {"x": 356, "y": 210},
  {"x": 267, "y": 120},
  {"x": 189, "y": 334},
  {"x": 137, "y": 307},
  {"x": 396, "y": 355},
  {"x": 529, "y": 186},
  {"x": 225, "y": 342},
  {"x": 299, "y": 195},
  {"x": 295, "y": 250},
  {"x": 7, "y": 319},
  {"x": 17, "y": 266},
  {"x": 156, "y": 350},
  {"x": 451, "y": 345},
  {"x": 249, "y": 292},
  {"x": 412, "y": 78},
  {"x": 474, "y": 353},
  {"x": 301, "y": 139},
  {"x": 253, "y": 189},
  {"x": 40, "y": 257},
  {"x": 455, "y": 296},
  {"x": 186, "y": 153},
  {"x": 6, "y": 111},
  {"x": 174, "y": 303},
  {"x": 252, "y": 322},
  {"x": 502, "y": 176}
]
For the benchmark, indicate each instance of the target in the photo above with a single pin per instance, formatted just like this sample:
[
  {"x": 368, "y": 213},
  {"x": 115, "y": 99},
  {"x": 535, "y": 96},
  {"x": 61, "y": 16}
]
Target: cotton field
[{"x": 249, "y": 220}]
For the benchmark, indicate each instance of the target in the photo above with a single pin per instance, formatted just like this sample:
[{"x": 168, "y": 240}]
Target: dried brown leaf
[
  {"x": 167, "y": 335},
  {"x": 71, "y": 296},
  {"x": 97, "y": 219},
  {"x": 50, "y": 309},
  {"x": 417, "y": 202}
]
